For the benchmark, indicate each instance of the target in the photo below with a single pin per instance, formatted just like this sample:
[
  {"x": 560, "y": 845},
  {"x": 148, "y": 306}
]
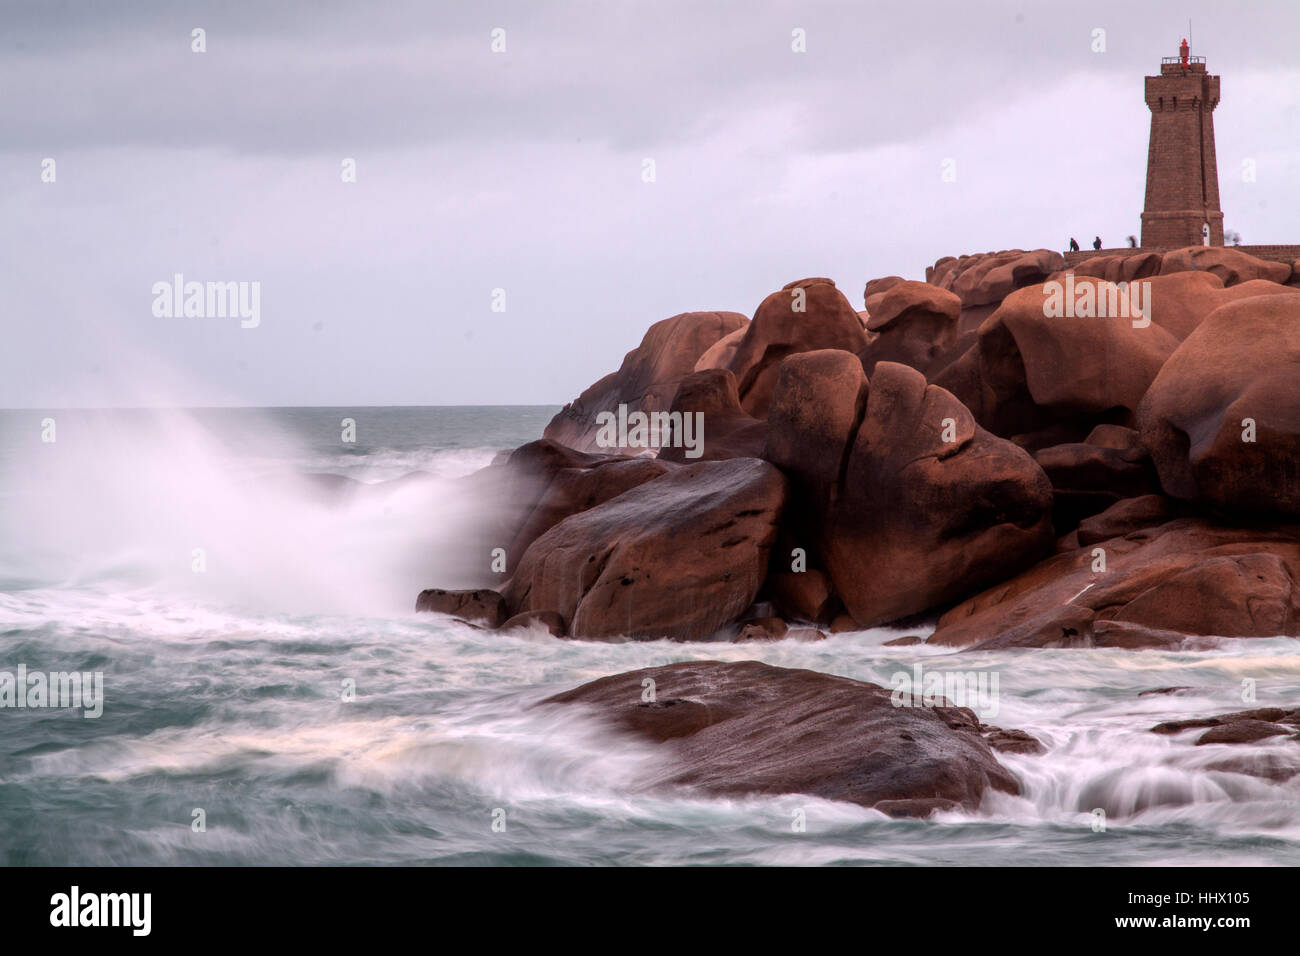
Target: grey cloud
[
  {"x": 318, "y": 76},
  {"x": 522, "y": 171}
]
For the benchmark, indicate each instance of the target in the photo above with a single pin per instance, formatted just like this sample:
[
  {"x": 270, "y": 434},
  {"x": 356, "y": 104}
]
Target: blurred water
[{"x": 224, "y": 688}]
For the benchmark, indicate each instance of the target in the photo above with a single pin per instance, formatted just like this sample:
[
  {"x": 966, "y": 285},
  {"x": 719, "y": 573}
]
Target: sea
[{"x": 243, "y": 580}]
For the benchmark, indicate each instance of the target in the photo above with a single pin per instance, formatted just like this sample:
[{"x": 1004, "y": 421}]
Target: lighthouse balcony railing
[{"x": 1179, "y": 59}]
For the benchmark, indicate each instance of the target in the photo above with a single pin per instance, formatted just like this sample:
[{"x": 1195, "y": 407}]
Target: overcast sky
[{"x": 523, "y": 170}]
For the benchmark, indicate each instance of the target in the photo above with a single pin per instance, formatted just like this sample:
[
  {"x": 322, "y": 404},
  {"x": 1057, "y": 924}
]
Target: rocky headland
[{"x": 1021, "y": 455}]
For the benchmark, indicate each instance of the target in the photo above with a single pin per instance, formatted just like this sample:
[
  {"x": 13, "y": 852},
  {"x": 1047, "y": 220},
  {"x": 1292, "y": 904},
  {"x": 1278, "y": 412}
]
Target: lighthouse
[{"x": 1182, "y": 199}]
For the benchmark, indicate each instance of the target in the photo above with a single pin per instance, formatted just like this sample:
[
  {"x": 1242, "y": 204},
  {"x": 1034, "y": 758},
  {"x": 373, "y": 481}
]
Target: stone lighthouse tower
[{"x": 1182, "y": 203}]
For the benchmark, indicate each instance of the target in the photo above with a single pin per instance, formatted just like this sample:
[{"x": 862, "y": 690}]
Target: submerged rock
[
  {"x": 480, "y": 605},
  {"x": 1240, "y": 727},
  {"x": 750, "y": 728},
  {"x": 548, "y": 620}
]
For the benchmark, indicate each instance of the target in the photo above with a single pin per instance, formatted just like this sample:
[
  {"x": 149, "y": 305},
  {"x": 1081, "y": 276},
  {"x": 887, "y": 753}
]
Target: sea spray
[{"x": 164, "y": 499}]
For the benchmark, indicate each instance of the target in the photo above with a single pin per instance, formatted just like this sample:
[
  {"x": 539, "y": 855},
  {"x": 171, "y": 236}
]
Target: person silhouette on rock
[
  {"x": 1074, "y": 245},
  {"x": 1096, "y": 242}
]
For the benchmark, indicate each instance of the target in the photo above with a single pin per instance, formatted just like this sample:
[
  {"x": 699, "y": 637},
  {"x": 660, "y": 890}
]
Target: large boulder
[
  {"x": 720, "y": 428},
  {"x": 804, "y": 316},
  {"x": 1119, "y": 267},
  {"x": 719, "y": 354},
  {"x": 1152, "y": 587},
  {"x": 1025, "y": 370},
  {"x": 941, "y": 267},
  {"x": 492, "y": 508},
  {"x": 916, "y": 324},
  {"x": 817, "y": 406},
  {"x": 481, "y": 605},
  {"x": 681, "y": 556},
  {"x": 804, "y": 595},
  {"x": 816, "y": 409},
  {"x": 1181, "y": 301},
  {"x": 648, "y": 378},
  {"x": 933, "y": 506},
  {"x": 877, "y": 286},
  {"x": 990, "y": 277},
  {"x": 1230, "y": 265},
  {"x": 1092, "y": 475},
  {"x": 575, "y": 489},
  {"x": 915, "y": 504},
  {"x": 1222, "y": 419},
  {"x": 740, "y": 728},
  {"x": 1240, "y": 727},
  {"x": 1125, "y": 517},
  {"x": 1046, "y": 355}
]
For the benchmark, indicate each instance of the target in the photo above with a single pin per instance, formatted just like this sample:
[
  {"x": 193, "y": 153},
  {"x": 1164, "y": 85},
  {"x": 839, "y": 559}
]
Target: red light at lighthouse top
[{"x": 1183, "y": 51}]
